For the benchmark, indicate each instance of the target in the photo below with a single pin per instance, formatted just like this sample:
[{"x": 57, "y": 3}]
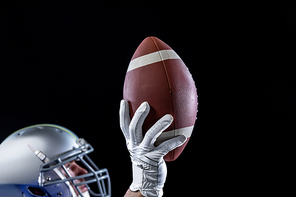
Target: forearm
[{"x": 130, "y": 193}]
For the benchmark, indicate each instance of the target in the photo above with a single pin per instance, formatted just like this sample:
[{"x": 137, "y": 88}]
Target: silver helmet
[{"x": 33, "y": 163}]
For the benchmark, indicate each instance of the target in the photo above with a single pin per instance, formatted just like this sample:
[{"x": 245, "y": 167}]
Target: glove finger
[
  {"x": 137, "y": 121},
  {"x": 161, "y": 125},
  {"x": 170, "y": 145},
  {"x": 124, "y": 119}
]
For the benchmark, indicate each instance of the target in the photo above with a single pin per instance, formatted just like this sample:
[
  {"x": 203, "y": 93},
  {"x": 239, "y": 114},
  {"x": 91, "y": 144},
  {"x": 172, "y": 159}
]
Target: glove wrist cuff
[{"x": 146, "y": 179}]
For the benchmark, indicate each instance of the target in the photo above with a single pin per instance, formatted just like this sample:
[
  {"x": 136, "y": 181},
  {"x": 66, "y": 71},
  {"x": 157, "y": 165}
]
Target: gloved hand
[{"x": 149, "y": 168}]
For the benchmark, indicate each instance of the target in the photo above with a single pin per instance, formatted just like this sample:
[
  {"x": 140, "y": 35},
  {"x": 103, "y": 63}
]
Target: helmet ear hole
[{"x": 36, "y": 191}]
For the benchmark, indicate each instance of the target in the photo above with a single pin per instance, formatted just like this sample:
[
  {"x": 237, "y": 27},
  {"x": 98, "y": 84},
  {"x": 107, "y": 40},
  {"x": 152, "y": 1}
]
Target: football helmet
[{"x": 32, "y": 163}]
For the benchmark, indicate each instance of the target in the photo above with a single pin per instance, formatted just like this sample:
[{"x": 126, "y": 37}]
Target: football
[{"x": 157, "y": 74}]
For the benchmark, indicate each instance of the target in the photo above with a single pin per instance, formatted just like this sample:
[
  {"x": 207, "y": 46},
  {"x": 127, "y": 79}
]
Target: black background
[{"x": 65, "y": 63}]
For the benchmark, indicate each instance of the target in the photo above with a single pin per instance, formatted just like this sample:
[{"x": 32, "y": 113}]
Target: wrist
[
  {"x": 148, "y": 179},
  {"x": 131, "y": 193}
]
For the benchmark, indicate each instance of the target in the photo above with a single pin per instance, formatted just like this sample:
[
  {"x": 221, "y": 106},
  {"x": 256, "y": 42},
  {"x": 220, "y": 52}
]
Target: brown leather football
[{"x": 157, "y": 74}]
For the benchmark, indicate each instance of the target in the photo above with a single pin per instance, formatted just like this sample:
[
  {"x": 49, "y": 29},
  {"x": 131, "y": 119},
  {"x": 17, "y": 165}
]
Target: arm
[
  {"x": 149, "y": 168},
  {"x": 130, "y": 193}
]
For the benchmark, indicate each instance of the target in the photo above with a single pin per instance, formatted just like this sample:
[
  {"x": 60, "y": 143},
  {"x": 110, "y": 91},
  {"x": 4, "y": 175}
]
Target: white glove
[{"x": 149, "y": 168}]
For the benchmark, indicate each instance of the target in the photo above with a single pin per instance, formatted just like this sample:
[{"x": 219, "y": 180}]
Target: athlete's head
[{"x": 49, "y": 160}]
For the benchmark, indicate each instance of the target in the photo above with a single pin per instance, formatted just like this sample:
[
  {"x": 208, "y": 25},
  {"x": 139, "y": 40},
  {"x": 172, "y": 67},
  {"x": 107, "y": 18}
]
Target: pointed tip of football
[{"x": 149, "y": 45}]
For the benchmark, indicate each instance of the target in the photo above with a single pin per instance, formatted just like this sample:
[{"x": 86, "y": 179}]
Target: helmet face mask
[
  {"x": 34, "y": 162},
  {"x": 95, "y": 176}
]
